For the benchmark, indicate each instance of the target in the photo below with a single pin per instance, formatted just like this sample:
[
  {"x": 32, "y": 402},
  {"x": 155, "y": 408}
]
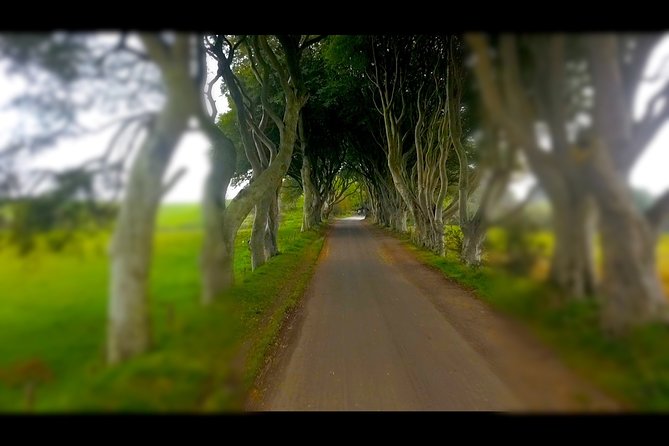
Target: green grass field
[
  {"x": 53, "y": 313},
  {"x": 634, "y": 368}
]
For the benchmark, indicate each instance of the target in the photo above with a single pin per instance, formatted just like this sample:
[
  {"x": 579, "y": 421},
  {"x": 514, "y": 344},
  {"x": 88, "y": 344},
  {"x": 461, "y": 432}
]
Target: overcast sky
[{"x": 650, "y": 173}]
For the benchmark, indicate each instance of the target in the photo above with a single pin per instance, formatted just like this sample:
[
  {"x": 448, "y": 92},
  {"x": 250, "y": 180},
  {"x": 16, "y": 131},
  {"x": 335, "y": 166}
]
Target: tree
[
  {"x": 631, "y": 284},
  {"x": 516, "y": 108},
  {"x": 131, "y": 246},
  {"x": 417, "y": 134},
  {"x": 105, "y": 74},
  {"x": 591, "y": 165},
  {"x": 274, "y": 58}
]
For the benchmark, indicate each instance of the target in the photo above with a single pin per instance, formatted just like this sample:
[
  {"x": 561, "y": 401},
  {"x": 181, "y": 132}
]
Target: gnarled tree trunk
[
  {"x": 272, "y": 233},
  {"x": 263, "y": 242},
  {"x": 398, "y": 219},
  {"x": 216, "y": 257},
  {"x": 132, "y": 243},
  {"x": 631, "y": 284},
  {"x": 257, "y": 243},
  {"x": 573, "y": 265},
  {"x": 129, "y": 331},
  {"x": 266, "y": 183},
  {"x": 429, "y": 232},
  {"x": 474, "y": 231},
  {"x": 311, "y": 211}
]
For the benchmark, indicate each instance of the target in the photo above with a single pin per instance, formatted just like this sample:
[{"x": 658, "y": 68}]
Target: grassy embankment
[{"x": 53, "y": 310}]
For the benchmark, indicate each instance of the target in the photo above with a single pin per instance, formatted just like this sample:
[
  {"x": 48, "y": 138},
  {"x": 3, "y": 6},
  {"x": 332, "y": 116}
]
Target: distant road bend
[{"x": 379, "y": 331}]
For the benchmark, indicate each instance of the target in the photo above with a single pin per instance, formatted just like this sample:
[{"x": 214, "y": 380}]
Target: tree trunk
[
  {"x": 375, "y": 210},
  {"x": 272, "y": 233},
  {"x": 631, "y": 287},
  {"x": 398, "y": 220},
  {"x": 217, "y": 259},
  {"x": 429, "y": 233},
  {"x": 572, "y": 265},
  {"x": 132, "y": 243},
  {"x": 326, "y": 209},
  {"x": 265, "y": 227},
  {"x": 257, "y": 243},
  {"x": 217, "y": 255},
  {"x": 311, "y": 211},
  {"x": 474, "y": 233},
  {"x": 268, "y": 181}
]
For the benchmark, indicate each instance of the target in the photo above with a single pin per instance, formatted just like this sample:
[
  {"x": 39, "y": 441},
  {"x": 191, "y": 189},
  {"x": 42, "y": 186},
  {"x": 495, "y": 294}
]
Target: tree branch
[
  {"x": 308, "y": 42},
  {"x": 492, "y": 99},
  {"x": 450, "y": 210},
  {"x": 210, "y": 98},
  {"x": 173, "y": 180}
]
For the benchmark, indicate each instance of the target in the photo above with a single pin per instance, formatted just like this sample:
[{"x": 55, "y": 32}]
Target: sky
[{"x": 651, "y": 171}]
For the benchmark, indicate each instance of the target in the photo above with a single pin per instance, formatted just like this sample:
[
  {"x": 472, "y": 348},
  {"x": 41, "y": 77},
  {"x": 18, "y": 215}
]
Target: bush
[{"x": 453, "y": 238}]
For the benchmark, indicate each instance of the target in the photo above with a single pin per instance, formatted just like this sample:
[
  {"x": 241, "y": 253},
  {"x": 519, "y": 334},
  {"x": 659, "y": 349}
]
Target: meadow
[{"x": 53, "y": 321}]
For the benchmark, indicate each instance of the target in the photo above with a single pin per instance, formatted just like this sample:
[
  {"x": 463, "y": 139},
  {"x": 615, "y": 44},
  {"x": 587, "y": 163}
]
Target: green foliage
[
  {"x": 57, "y": 215},
  {"x": 53, "y": 314},
  {"x": 227, "y": 122},
  {"x": 453, "y": 238},
  {"x": 518, "y": 246},
  {"x": 290, "y": 193}
]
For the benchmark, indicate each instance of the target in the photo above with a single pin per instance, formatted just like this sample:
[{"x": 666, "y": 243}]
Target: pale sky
[{"x": 651, "y": 172}]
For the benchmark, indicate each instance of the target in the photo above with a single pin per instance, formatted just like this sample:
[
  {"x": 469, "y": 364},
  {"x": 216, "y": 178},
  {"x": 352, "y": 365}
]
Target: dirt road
[{"x": 377, "y": 330}]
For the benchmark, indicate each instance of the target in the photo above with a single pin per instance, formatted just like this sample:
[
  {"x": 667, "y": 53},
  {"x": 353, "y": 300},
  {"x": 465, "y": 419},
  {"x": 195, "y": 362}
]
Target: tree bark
[
  {"x": 266, "y": 183},
  {"x": 257, "y": 243},
  {"x": 132, "y": 243},
  {"x": 572, "y": 265},
  {"x": 326, "y": 209},
  {"x": 129, "y": 330},
  {"x": 631, "y": 285},
  {"x": 264, "y": 233},
  {"x": 217, "y": 255},
  {"x": 272, "y": 233},
  {"x": 559, "y": 172},
  {"x": 474, "y": 232},
  {"x": 398, "y": 219},
  {"x": 311, "y": 211},
  {"x": 429, "y": 232}
]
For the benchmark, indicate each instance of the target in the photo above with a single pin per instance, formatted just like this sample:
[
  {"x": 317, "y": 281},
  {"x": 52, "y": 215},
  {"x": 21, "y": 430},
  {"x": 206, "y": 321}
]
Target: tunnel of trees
[{"x": 428, "y": 131}]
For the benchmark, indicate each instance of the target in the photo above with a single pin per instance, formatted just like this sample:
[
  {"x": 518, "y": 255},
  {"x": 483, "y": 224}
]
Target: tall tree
[
  {"x": 409, "y": 75},
  {"x": 517, "y": 107},
  {"x": 131, "y": 246},
  {"x": 277, "y": 58},
  {"x": 594, "y": 165},
  {"x": 630, "y": 283},
  {"x": 109, "y": 70}
]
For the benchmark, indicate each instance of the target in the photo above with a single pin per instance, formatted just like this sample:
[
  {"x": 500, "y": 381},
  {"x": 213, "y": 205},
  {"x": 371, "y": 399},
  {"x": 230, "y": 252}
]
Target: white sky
[{"x": 651, "y": 172}]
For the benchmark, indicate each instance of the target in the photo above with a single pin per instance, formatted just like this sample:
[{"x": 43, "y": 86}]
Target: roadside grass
[
  {"x": 633, "y": 368},
  {"x": 53, "y": 317}
]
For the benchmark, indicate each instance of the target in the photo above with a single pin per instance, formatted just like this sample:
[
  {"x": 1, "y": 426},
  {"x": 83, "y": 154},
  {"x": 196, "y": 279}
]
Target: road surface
[{"x": 369, "y": 336}]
